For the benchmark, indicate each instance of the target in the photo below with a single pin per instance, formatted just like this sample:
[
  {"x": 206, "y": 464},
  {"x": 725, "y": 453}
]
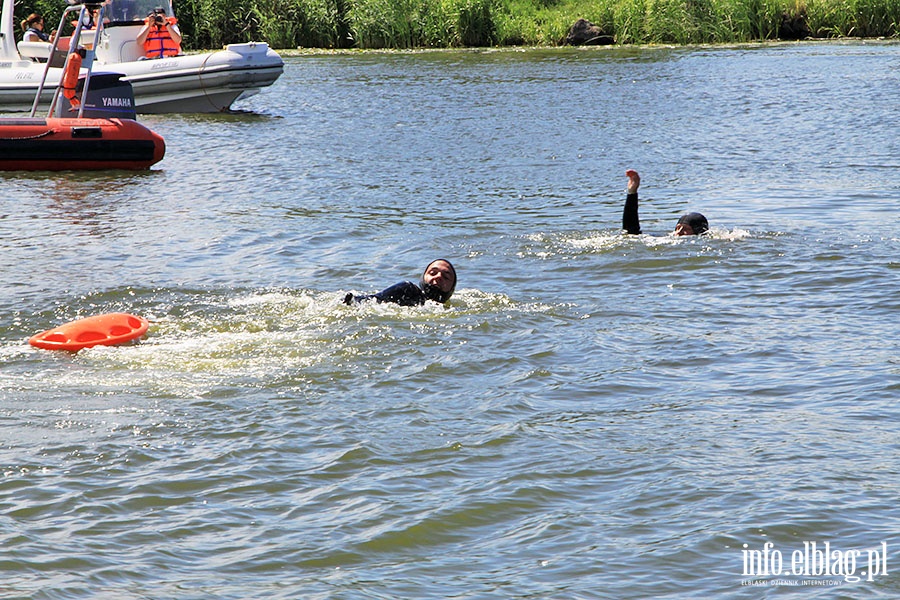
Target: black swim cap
[
  {"x": 695, "y": 221},
  {"x": 433, "y": 292}
]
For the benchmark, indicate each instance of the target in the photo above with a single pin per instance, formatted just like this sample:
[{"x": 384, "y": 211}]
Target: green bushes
[
  {"x": 460, "y": 23},
  {"x": 857, "y": 18},
  {"x": 51, "y": 10},
  {"x": 214, "y": 23},
  {"x": 292, "y": 23},
  {"x": 474, "y": 22},
  {"x": 422, "y": 23}
]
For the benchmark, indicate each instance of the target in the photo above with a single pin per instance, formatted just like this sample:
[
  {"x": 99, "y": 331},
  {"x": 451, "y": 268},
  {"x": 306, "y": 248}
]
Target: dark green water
[{"x": 595, "y": 416}]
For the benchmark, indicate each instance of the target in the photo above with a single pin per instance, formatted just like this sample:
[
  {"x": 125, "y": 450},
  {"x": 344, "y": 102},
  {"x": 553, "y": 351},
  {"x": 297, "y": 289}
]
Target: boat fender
[{"x": 70, "y": 76}]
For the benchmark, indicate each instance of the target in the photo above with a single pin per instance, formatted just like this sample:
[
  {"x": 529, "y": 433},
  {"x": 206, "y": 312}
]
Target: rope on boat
[{"x": 29, "y": 137}]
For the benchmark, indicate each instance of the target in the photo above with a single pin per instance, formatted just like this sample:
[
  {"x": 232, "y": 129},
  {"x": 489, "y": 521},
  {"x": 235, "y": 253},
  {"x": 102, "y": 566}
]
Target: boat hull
[
  {"x": 201, "y": 83},
  {"x": 32, "y": 144}
]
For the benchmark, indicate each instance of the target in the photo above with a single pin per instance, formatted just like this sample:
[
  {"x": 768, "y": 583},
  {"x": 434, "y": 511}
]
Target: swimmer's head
[
  {"x": 692, "y": 224},
  {"x": 439, "y": 280}
]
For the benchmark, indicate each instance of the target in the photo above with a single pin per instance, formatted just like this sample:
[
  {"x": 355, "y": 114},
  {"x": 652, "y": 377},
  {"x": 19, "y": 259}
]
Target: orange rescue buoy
[
  {"x": 102, "y": 330},
  {"x": 70, "y": 76}
]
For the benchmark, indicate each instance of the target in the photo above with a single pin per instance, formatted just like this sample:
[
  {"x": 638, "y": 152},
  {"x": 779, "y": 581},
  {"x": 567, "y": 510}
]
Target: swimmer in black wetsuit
[
  {"x": 437, "y": 284},
  {"x": 690, "y": 224}
]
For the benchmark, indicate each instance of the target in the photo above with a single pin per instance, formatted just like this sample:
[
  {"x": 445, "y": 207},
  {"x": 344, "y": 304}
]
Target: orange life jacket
[{"x": 159, "y": 43}]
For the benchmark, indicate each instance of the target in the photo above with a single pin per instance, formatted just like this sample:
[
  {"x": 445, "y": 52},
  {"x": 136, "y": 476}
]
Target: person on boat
[
  {"x": 436, "y": 284},
  {"x": 160, "y": 36},
  {"x": 33, "y": 26},
  {"x": 89, "y": 20},
  {"x": 689, "y": 224}
]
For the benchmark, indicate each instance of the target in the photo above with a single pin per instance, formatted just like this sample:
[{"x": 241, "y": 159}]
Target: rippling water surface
[{"x": 595, "y": 415}]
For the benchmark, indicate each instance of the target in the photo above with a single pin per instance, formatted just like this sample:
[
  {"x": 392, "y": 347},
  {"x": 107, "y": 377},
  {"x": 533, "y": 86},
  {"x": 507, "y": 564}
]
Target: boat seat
[{"x": 35, "y": 51}]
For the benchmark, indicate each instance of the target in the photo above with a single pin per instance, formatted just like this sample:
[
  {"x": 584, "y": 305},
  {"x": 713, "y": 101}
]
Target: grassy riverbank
[{"x": 461, "y": 23}]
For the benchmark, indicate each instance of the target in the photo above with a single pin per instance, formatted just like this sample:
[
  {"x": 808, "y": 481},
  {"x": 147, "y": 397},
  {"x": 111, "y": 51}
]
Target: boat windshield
[{"x": 126, "y": 12}]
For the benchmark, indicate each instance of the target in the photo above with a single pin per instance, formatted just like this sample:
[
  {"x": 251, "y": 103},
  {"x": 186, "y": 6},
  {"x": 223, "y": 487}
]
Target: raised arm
[
  {"x": 173, "y": 30},
  {"x": 142, "y": 34},
  {"x": 630, "y": 221}
]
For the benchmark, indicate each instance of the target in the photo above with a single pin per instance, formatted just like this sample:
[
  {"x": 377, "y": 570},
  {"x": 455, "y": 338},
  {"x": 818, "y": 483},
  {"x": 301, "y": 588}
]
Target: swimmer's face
[
  {"x": 684, "y": 229},
  {"x": 440, "y": 275}
]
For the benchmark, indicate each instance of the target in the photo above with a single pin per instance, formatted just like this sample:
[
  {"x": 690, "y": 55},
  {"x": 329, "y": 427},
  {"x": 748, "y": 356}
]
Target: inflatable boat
[
  {"x": 57, "y": 144},
  {"x": 193, "y": 83}
]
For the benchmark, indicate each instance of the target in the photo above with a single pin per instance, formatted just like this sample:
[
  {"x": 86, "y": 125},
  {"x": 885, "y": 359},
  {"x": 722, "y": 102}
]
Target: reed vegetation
[{"x": 474, "y": 23}]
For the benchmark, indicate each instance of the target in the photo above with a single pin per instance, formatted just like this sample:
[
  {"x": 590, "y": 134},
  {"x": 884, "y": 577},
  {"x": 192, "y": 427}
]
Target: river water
[{"x": 594, "y": 416}]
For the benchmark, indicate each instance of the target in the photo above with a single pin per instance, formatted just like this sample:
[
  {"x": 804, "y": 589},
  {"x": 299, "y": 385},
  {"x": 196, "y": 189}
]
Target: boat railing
[{"x": 85, "y": 15}]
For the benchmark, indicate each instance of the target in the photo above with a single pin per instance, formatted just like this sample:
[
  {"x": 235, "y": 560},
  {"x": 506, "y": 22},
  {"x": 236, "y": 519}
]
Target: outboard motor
[{"x": 108, "y": 98}]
